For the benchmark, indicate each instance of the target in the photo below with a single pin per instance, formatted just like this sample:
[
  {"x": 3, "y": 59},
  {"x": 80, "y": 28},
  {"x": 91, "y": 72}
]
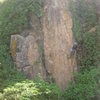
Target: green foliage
[
  {"x": 14, "y": 17},
  {"x": 1, "y": 96},
  {"x": 29, "y": 90},
  {"x": 84, "y": 86},
  {"x": 90, "y": 51},
  {"x": 84, "y": 17},
  {"x": 10, "y": 78},
  {"x": 86, "y": 31}
]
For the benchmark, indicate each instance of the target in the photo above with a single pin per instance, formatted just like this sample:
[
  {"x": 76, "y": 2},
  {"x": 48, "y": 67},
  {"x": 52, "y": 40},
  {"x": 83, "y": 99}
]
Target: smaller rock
[{"x": 25, "y": 53}]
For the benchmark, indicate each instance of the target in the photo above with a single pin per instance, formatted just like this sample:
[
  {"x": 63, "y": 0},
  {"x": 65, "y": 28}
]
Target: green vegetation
[
  {"x": 87, "y": 34},
  {"x": 29, "y": 90},
  {"x": 86, "y": 31},
  {"x": 84, "y": 18},
  {"x": 14, "y": 18},
  {"x": 84, "y": 86},
  {"x": 1, "y": 0},
  {"x": 90, "y": 51}
]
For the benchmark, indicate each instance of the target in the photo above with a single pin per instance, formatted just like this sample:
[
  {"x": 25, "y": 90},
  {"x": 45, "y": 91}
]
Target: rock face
[
  {"x": 58, "y": 41},
  {"x": 45, "y": 48},
  {"x": 24, "y": 51}
]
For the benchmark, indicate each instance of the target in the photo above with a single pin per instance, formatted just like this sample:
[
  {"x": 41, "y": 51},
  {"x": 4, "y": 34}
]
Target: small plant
[
  {"x": 86, "y": 31},
  {"x": 84, "y": 20},
  {"x": 90, "y": 51},
  {"x": 84, "y": 17},
  {"x": 30, "y": 90},
  {"x": 84, "y": 86},
  {"x": 1, "y": 96}
]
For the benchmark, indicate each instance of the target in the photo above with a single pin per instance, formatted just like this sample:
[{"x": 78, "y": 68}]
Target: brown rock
[
  {"x": 58, "y": 41},
  {"x": 27, "y": 57}
]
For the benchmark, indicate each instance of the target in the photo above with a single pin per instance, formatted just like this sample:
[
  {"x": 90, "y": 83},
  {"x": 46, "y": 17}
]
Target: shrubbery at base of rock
[
  {"x": 84, "y": 86},
  {"x": 30, "y": 90}
]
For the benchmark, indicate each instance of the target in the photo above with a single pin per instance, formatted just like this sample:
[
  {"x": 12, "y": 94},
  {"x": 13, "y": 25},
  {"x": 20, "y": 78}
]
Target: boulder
[{"x": 27, "y": 57}]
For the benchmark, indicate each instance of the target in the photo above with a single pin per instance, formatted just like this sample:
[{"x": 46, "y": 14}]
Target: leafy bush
[
  {"x": 1, "y": 96},
  {"x": 84, "y": 21},
  {"x": 90, "y": 51},
  {"x": 29, "y": 90},
  {"x": 84, "y": 17},
  {"x": 14, "y": 17},
  {"x": 84, "y": 86}
]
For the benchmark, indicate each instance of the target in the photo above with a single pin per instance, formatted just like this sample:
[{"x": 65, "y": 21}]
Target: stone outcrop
[
  {"x": 24, "y": 51},
  {"x": 58, "y": 41},
  {"x": 45, "y": 48}
]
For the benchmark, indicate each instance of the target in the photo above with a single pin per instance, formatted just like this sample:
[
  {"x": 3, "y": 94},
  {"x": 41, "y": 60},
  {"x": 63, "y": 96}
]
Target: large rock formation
[
  {"x": 46, "y": 49},
  {"x": 58, "y": 41},
  {"x": 24, "y": 51}
]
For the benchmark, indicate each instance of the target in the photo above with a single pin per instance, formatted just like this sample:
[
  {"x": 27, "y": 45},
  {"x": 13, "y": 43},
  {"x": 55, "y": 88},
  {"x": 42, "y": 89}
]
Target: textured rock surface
[
  {"x": 26, "y": 55},
  {"x": 58, "y": 41},
  {"x": 48, "y": 53},
  {"x": 16, "y": 44}
]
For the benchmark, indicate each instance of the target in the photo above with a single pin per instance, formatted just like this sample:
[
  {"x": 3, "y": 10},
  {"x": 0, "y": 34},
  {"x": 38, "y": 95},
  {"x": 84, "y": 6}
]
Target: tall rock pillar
[{"x": 58, "y": 41}]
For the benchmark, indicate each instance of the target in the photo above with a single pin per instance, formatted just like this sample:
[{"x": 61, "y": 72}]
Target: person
[{"x": 73, "y": 49}]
